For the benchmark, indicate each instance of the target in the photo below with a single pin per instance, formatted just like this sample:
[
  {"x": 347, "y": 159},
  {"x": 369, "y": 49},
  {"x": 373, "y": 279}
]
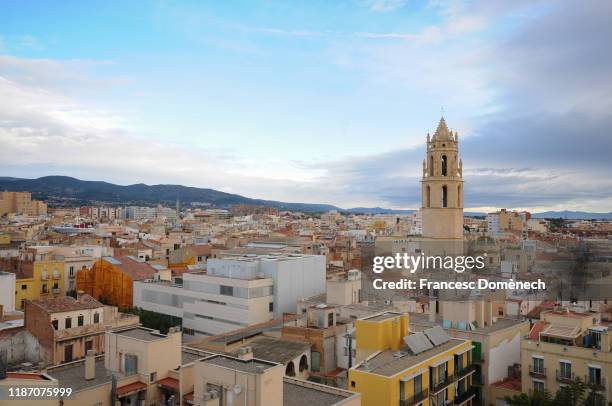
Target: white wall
[{"x": 7, "y": 291}]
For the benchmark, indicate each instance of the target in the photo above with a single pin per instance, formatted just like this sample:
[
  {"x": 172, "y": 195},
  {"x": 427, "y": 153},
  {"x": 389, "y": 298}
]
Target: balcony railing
[
  {"x": 44, "y": 291},
  {"x": 438, "y": 386},
  {"x": 56, "y": 291},
  {"x": 596, "y": 384},
  {"x": 565, "y": 377},
  {"x": 415, "y": 399},
  {"x": 477, "y": 379},
  {"x": 464, "y": 396},
  {"x": 537, "y": 372},
  {"x": 478, "y": 358},
  {"x": 461, "y": 371}
]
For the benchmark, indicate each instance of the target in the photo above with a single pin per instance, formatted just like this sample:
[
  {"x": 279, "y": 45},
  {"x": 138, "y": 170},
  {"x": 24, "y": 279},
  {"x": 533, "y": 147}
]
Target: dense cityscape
[{"x": 247, "y": 304}]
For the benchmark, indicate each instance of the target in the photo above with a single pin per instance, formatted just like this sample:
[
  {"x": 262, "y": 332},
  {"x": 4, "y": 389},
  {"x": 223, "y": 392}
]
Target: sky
[{"x": 313, "y": 101}]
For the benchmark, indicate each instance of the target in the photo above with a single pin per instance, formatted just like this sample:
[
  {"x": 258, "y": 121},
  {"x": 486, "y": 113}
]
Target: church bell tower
[{"x": 442, "y": 186}]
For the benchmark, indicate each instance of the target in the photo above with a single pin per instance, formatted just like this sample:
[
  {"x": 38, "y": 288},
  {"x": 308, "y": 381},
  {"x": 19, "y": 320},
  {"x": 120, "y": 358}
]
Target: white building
[
  {"x": 7, "y": 291},
  {"x": 235, "y": 292},
  {"x": 493, "y": 224}
]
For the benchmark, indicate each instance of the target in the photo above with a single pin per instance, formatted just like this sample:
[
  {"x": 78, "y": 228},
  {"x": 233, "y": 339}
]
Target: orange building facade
[{"x": 110, "y": 279}]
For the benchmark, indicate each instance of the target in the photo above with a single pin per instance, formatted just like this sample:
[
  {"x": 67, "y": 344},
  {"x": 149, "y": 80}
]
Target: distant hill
[
  {"x": 83, "y": 192},
  {"x": 576, "y": 215}
]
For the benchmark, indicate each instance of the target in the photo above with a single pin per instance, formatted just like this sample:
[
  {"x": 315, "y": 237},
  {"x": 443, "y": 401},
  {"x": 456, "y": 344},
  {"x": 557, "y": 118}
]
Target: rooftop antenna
[{"x": 442, "y": 111}]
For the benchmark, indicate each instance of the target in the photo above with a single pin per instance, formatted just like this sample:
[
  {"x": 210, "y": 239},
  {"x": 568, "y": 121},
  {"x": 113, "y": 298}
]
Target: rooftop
[
  {"x": 252, "y": 366},
  {"x": 189, "y": 355},
  {"x": 66, "y": 304},
  {"x": 305, "y": 393},
  {"x": 387, "y": 363},
  {"x": 382, "y": 316},
  {"x": 422, "y": 319},
  {"x": 141, "y": 333},
  {"x": 72, "y": 375},
  {"x": 276, "y": 349}
]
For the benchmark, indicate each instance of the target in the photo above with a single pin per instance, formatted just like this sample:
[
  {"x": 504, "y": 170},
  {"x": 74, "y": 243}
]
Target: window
[
  {"x": 24, "y": 287},
  {"x": 418, "y": 384},
  {"x": 88, "y": 345},
  {"x": 594, "y": 376},
  {"x": 538, "y": 365},
  {"x": 45, "y": 289},
  {"x": 271, "y": 306},
  {"x": 153, "y": 377},
  {"x": 444, "y": 202},
  {"x": 444, "y": 165},
  {"x": 55, "y": 324},
  {"x": 538, "y": 386},
  {"x": 71, "y": 271},
  {"x": 353, "y": 384},
  {"x": 427, "y": 196},
  {"x": 96, "y": 317},
  {"x": 565, "y": 370},
  {"x": 130, "y": 364},
  {"x": 68, "y": 322},
  {"x": 330, "y": 319},
  {"x": 227, "y": 290},
  {"x": 81, "y": 320}
]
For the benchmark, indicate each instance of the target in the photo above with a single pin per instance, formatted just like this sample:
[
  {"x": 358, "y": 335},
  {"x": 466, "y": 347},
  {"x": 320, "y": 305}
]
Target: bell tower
[{"x": 442, "y": 186}]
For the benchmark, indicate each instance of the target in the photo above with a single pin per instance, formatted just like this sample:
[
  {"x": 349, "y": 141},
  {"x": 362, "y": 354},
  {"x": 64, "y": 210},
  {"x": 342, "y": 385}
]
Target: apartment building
[
  {"x": 210, "y": 305},
  {"x": 496, "y": 338},
  {"x": 67, "y": 328},
  {"x": 566, "y": 345},
  {"x": 22, "y": 203},
  {"x": 38, "y": 276},
  {"x": 143, "y": 367},
  {"x": 399, "y": 368},
  {"x": 235, "y": 292},
  {"x": 506, "y": 221}
]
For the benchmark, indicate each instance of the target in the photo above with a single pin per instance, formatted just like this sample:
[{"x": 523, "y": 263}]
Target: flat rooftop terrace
[
  {"x": 388, "y": 364},
  {"x": 252, "y": 366},
  {"x": 141, "y": 333}
]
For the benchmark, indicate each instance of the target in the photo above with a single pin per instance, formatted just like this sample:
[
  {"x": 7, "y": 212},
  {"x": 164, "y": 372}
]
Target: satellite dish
[{"x": 237, "y": 389}]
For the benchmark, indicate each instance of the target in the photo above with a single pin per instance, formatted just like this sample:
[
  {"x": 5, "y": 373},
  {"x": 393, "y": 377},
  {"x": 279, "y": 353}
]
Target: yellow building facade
[
  {"x": 397, "y": 370},
  {"x": 46, "y": 281},
  {"x": 563, "y": 347}
]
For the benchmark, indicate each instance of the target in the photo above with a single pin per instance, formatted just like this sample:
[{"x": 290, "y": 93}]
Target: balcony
[
  {"x": 44, "y": 291},
  {"x": 478, "y": 358},
  {"x": 477, "y": 379},
  {"x": 56, "y": 291},
  {"x": 537, "y": 372},
  {"x": 462, "y": 371},
  {"x": 463, "y": 397},
  {"x": 565, "y": 377},
  {"x": 596, "y": 384},
  {"x": 437, "y": 387},
  {"x": 416, "y": 398}
]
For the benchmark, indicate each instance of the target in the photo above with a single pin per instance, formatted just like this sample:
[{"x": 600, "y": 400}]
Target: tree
[{"x": 573, "y": 394}]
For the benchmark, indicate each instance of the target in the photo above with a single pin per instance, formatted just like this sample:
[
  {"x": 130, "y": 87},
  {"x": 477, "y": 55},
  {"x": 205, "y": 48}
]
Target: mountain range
[{"x": 66, "y": 189}]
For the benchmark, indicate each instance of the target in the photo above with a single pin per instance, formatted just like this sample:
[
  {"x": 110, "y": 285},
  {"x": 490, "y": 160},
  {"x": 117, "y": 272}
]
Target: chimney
[
  {"x": 90, "y": 365},
  {"x": 432, "y": 310},
  {"x": 80, "y": 293}
]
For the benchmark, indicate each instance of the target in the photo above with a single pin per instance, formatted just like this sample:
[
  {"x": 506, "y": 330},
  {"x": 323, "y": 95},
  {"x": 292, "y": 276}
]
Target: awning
[
  {"x": 188, "y": 398},
  {"x": 169, "y": 383},
  {"x": 130, "y": 389}
]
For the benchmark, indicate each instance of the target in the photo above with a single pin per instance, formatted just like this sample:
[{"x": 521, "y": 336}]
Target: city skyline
[{"x": 293, "y": 103}]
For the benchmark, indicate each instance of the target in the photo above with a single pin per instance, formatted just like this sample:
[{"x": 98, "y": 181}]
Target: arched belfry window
[
  {"x": 427, "y": 196},
  {"x": 431, "y": 166},
  {"x": 444, "y": 196},
  {"x": 444, "y": 165}
]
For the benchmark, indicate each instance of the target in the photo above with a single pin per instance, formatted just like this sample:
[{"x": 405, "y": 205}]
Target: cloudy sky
[{"x": 314, "y": 101}]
